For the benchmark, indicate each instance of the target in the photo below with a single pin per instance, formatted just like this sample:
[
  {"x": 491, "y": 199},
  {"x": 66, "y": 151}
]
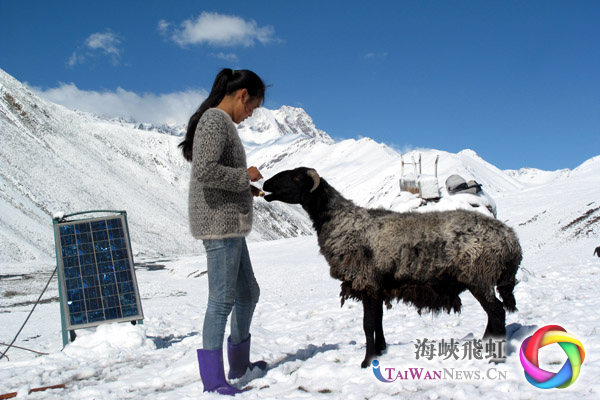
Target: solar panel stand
[{"x": 116, "y": 297}]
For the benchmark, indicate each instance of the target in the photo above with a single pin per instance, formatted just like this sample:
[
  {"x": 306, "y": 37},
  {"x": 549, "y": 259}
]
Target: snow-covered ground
[{"x": 313, "y": 347}]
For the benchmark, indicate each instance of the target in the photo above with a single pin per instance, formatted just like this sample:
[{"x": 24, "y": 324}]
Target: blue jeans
[{"x": 231, "y": 287}]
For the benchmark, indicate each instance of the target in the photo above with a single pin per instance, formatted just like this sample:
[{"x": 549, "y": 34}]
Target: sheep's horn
[{"x": 313, "y": 174}]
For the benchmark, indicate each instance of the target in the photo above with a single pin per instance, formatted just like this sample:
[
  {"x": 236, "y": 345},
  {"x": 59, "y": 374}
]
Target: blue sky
[{"x": 516, "y": 81}]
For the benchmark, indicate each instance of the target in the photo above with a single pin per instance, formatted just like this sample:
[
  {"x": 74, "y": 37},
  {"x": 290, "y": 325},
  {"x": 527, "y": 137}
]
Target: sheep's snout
[
  {"x": 269, "y": 197},
  {"x": 278, "y": 190},
  {"x": 268, "y": 190}
]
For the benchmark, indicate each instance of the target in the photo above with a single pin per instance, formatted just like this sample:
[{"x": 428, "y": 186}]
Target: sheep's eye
[{"x": 296, "y": 179}]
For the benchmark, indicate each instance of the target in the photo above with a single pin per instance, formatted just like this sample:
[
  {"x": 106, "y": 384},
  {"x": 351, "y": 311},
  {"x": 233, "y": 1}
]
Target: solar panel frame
[{"x": 96, "y": 272}]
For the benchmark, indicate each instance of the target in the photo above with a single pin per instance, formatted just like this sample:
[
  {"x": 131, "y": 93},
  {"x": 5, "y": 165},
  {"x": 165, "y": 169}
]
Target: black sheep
[{"x": 424, "y": 259}]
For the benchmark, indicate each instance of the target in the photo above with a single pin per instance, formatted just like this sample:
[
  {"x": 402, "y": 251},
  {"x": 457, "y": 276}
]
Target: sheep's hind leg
[
  {"x": 369, "y": 325},
  {"x": 496, "y": 327},
  {"x": 380, "y": 344}
]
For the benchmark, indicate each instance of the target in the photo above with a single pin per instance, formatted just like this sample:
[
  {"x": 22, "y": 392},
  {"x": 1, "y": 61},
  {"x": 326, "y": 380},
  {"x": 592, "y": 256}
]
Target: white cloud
[
  {"x": 163, "y": 26},
  {"x": 225, "y": 56},
  {"x": 376, "y": 55},
  {"x": 106, "y": 43},
  {"x": 76, "y": 58},
  {"x": 218, "y": 30},
  {"x": 169, "y": 108}
]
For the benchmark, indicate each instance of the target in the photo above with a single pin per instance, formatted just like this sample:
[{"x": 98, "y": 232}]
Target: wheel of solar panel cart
[{"x": 96, "y": 275}]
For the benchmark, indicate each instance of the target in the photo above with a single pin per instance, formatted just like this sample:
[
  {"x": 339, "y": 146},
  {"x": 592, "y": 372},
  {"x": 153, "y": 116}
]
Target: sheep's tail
[{"x": 506, "y": 285}]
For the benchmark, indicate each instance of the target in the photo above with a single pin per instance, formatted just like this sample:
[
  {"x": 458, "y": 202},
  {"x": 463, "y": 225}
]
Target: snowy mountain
[
  {"x": 175, "y": 130},
  {"x": 534, "y": 176},
  {"x": 564, "y": 210},
  {"x": 54, "y": 159},
  {"x": 265, "y": 126}
]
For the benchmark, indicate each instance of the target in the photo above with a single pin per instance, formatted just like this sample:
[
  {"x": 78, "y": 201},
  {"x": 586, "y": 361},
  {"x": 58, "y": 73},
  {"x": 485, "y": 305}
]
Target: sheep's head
[{"x": 293, "y": 186}]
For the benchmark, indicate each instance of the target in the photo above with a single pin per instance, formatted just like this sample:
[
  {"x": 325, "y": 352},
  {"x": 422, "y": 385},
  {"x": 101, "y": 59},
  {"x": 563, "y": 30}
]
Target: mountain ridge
[{"x": 54, "y": 159}]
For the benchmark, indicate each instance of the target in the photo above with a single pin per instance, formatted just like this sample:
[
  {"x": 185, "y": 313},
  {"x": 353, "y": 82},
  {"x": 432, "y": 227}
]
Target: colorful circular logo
[{"x": 570, "y": 370}]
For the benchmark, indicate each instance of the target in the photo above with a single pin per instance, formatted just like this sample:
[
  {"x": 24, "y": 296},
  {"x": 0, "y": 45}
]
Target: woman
[{"x": 220, "y": 212}]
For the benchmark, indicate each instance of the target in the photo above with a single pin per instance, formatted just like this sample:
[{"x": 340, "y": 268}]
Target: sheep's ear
[{"x": 316, "y": 179}]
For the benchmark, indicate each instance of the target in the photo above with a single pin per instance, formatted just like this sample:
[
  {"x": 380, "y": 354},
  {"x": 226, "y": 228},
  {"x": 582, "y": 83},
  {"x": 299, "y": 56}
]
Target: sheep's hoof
[
  {"x": 369, "y": 357},
  {"x": 380, "y": 348}
]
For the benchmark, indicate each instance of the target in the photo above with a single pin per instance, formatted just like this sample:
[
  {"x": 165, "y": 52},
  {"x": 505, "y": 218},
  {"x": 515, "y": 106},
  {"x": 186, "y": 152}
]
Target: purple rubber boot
[
  {"x": 239, "y": 359},
  {"x": 213, "y": 373}
]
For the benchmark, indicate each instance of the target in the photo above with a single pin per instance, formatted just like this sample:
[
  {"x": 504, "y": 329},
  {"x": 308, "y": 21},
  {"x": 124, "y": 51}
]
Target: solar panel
[{"x": 96, "y": 272}]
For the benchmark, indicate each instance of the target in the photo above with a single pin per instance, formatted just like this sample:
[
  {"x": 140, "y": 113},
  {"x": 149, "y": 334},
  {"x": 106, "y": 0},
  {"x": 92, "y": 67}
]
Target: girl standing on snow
[{"x": 220, "y": 212}]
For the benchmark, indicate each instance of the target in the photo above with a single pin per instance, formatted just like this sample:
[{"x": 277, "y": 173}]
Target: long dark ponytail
[{"x": 227, "y": 82}]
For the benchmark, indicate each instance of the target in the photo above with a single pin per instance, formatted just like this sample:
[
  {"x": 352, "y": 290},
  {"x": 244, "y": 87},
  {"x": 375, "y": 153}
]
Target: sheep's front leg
[
  {"x": 380, "y": 344},
  {"x": 369, "y": 324}
]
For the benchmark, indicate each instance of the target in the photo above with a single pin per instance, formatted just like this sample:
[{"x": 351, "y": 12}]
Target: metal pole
[
  {"x": 124, "y": 214},
  {"x": 63, "y": 322}
]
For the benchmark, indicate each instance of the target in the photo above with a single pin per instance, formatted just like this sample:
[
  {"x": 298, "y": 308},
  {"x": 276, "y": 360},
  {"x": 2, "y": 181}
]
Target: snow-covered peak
[
  {"x": 266, "y": 125},
  {"x": 174, "y": 130},
  {"x": 591, "y": 165},
  {"x": 470, "y": 153},
  {"x": 534, "y": 176},
  {"x": 294, "y": 120}
]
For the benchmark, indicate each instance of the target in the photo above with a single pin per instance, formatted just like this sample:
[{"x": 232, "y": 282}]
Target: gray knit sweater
[{"x": 220, "y": 200}]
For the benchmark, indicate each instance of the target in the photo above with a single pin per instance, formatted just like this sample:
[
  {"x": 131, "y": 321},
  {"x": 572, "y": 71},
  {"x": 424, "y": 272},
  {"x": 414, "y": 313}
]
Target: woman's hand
[{"x": 254, "y": 174}]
